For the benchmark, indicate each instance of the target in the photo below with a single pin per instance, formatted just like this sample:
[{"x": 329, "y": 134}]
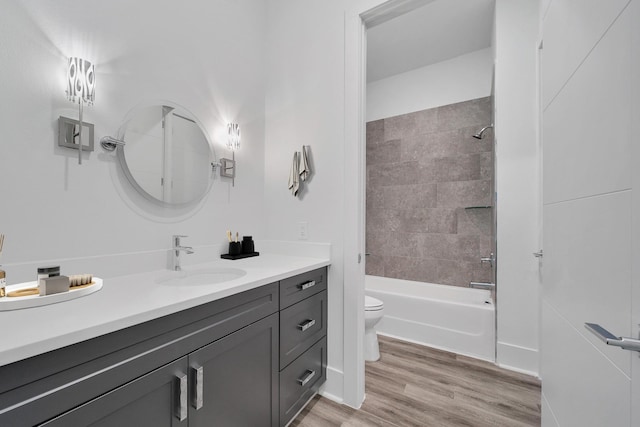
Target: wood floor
[{"x": 412, "y": 385}]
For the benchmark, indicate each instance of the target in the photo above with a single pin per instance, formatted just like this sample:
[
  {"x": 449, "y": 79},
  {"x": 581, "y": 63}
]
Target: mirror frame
[{"x": 120, "y": 152}]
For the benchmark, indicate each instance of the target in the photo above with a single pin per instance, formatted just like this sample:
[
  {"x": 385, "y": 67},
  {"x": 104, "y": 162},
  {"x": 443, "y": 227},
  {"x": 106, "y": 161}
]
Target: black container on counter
[{"x": 247, "y": 245}]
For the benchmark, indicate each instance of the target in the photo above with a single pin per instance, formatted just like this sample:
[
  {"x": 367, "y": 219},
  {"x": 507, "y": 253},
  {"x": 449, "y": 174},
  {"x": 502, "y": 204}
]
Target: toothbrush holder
[{"x": 235, "y": 248}]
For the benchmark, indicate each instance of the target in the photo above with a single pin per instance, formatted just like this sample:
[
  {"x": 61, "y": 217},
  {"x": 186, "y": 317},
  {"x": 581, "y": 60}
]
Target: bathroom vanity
[{"x": 248, "y": 358}]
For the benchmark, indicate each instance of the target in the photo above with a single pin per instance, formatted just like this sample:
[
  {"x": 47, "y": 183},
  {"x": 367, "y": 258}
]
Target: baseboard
[
  {"x": 332, "y": 388},
  {"x": 519, "y": 359}
]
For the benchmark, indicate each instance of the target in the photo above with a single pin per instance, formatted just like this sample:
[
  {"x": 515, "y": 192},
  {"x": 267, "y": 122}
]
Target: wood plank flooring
[{"x": 413, "y": 385}]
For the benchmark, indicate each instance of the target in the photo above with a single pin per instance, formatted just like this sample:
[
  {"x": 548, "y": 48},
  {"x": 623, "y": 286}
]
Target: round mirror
[{"x": 167, "y": 156}]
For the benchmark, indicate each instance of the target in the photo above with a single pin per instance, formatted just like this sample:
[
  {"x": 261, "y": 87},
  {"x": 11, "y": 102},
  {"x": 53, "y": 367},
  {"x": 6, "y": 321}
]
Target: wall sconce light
[
  {"x": 233, "y": 140},
  {"x": 81, "y": 86},
  {"x": 228, "y": 166}
]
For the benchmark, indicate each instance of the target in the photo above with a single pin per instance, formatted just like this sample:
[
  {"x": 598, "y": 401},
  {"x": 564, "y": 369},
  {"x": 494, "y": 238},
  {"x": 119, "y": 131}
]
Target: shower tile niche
[{"x": 429, "y": 192}]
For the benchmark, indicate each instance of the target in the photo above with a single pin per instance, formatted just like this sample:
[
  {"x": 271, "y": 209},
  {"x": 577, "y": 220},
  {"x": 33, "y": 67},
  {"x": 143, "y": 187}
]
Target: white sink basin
[{"x": 201, "y": 277}]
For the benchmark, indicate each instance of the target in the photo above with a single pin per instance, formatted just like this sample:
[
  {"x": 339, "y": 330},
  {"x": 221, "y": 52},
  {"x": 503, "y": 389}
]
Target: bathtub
[{"x": 461, "y": 320}]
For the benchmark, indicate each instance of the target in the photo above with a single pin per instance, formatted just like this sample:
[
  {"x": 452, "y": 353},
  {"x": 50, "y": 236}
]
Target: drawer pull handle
[
  {"x": 307, "y": 285},
  {"x": 306, "y": 377},
  {"x": 306, "y": 325},
  {"x": 197, "y": 395},
  {"x": 181, "y": 407}
]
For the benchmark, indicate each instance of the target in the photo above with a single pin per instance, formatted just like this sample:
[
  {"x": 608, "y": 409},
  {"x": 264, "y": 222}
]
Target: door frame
[{"x": 357, "y": 18}]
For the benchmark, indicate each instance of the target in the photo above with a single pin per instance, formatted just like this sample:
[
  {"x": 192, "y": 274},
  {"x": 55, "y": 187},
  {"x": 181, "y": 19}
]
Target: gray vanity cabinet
[
  {"x": 251, "y": 359},
  {"x": 144, "y": 375},
  {"x": 230, "y": 382}
]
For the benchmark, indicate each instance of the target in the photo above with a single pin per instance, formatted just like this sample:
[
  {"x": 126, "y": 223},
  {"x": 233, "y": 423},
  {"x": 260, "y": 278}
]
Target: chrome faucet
[
  {"x": 482, "y": 285},
  {"x": 491, "y": 259},
  {"x": 176, "y": 251}
]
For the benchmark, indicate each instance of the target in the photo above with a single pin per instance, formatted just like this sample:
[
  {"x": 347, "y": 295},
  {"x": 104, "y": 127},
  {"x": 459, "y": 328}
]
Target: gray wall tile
[
  {"x": 375, "y": 265},
  {"x": 383, "y": 152},
  {"x": 412, "y": 196},
  {"x": 449, "y": 246},
  {"x": 411, "y": 268},
  {"x": 459, "y": 168},
  {"x": 401, "y": 173},
  {"x": 423, "y": 169},
  {"x": 428, "y": 221},
  {"x": 449, "y": 143},
  {"x": 464, "y": 193},
  {"x": 412, "y": 124},
  {"x": 375, "y": 132},
  {"x": 476, "y": 112},
  {"x": 458, "y": 273},
  {"x": 486, "y": 165},
  {"x": 475, "y": 222}
]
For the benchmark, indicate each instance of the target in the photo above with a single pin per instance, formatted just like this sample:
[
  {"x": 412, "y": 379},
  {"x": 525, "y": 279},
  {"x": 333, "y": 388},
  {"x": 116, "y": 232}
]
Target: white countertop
[{"x": 129, "y": 300}]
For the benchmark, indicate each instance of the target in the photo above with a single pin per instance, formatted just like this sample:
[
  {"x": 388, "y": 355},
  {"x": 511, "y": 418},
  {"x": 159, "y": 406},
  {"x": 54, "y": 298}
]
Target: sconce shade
[
  {"x": 233, "y": 142},
  {"x": 81, "y": 80}
]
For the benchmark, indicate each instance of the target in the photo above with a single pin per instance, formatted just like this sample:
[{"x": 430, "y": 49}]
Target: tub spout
[{"x": 482, "y": 285}]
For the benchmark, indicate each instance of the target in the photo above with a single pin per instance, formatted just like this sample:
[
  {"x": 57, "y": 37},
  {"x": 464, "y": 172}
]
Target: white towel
[
  {"x": 305, "y": 169},
  {"x": 294, "y": 182}
]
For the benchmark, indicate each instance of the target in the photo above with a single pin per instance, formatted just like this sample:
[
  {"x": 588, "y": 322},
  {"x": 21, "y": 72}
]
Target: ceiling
[{"x": 432, "y": 33}]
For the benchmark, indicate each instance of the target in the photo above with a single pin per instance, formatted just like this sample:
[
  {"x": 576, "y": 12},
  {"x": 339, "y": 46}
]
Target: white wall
[
  {"x": 305, "y": 105},
  {"x": 517, "y": 184},
  {"x": 455, "y": 80},
  {"x": 208, "y": 57},
  {"x": 314, "y": 49}
]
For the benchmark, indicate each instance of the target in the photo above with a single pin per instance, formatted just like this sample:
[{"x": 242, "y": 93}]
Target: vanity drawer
[
  {"x": 302, "y": 286},
  {"x": 301, "y": 379},
  {"x": 301, "y": 325}
]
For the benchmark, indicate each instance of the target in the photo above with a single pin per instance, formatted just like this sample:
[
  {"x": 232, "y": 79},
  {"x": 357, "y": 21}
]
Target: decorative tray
[
  {"x": 25, "y": 295},
  {"x": 239, "y": 256}
]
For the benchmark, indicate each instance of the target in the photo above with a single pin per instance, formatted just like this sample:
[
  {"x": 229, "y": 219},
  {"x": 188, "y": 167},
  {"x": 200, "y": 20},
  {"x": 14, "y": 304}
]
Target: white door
[{"x": 591, "y": 129}]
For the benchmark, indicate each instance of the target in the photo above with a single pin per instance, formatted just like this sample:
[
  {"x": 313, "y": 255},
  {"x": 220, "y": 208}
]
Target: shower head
[{"x": 479, "y": 135}]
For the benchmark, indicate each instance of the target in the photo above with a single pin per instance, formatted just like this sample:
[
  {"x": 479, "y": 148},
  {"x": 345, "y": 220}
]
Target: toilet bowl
[{"x": 373, "y": 312}]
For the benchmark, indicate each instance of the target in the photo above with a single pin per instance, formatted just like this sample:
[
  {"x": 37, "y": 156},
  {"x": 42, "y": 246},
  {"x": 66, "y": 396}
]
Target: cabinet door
[
  {"x": 234, "y": 381},
  {"x": 158, "y": 399}
]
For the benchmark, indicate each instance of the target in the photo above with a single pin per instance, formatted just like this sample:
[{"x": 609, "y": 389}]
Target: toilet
[{"x": 373, "y": 312}]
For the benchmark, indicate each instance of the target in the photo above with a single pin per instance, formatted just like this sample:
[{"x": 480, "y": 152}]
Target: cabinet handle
[
  {"x": 307, "y": 285},
  {"x": 197, "y": 400},
  {"x": 181, "y": 407},
  {"x": 303, "y": 380},
  {"x": 306, "y": 325}
]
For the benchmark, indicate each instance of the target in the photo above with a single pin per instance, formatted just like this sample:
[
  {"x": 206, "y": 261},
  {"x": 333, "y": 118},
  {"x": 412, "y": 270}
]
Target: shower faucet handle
[
  {"x": 482, "y": 285},
  {"x": 491, "y": 259}
]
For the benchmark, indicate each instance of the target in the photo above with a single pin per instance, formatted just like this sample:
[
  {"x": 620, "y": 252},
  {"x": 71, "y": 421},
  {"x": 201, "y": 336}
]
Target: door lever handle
[{"x": 624, "y": 343}]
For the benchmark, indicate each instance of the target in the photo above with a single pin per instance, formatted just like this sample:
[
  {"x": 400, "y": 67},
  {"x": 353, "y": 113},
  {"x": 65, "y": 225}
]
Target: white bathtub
[{"x": 461, "y": 320}]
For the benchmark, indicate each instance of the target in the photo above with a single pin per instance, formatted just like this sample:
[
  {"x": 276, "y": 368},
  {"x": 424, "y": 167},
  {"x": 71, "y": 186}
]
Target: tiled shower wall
[{"x": 429, "y": 183}]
